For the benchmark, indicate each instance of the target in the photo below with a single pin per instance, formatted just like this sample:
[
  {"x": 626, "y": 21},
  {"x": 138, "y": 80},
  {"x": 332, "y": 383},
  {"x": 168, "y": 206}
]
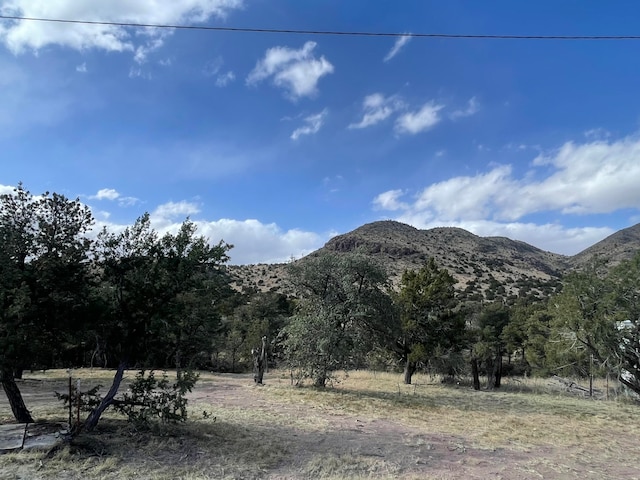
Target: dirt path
[{"x": 383, "y": 447}]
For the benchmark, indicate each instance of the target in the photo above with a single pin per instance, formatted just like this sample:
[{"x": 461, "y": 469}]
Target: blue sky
[{"x": 276, "y": 142}]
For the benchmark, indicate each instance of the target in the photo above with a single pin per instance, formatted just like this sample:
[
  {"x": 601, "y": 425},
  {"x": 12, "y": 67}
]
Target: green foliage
[
  {"x": 318, "y": 343},
  {"x": 157, "y": 292},
  {"x": 431, "y": 325},
  {"x": 583, "y": 322},
  {"x": 537, "y": 334},
  {"x": 44, "y": 276},
  {"x": 256, "y": 316},
  {"x": 343, "y": 312},
  {"x": 625, "y": 279},
  {"x": 139, "y": 297},
  {"x": 150, "y": 398}
]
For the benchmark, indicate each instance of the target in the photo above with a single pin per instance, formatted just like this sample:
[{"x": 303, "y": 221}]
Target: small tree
[
  {"x": 144, "y": 277},
  {"x": 584, "y": 321},
  {"x": 490, "y": 346},
  {"x": 429, "y": 320},
  {"x": 625, "y": 279},
  {"x": 342, "y": 313}
]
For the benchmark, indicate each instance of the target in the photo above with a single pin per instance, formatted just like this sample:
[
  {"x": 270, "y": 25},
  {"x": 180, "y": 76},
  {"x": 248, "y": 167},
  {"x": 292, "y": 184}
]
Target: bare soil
[{"x": 403, "y": 451}]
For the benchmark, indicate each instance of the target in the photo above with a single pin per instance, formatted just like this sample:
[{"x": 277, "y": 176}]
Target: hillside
[
  {"x": 486, "y": 268},
  {"x": 619, "y": 246}
]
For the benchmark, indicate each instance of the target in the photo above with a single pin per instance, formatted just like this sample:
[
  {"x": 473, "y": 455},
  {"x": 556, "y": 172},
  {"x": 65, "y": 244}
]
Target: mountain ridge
[{"x": 485, "y": 268}]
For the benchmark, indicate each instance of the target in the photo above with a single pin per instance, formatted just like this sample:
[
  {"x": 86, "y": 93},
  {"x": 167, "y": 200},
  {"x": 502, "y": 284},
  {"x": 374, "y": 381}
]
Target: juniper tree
[{"x": 343, "y": 311}]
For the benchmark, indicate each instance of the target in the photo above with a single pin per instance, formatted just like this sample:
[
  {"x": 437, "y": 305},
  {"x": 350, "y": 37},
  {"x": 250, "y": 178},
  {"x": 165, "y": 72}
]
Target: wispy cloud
[
  {"x": 397, "y": 46},
  {"x": 213, "y": 69},
  {"x": 376, "y": 109},
  {"x": 472, "y": 108},
  {"x": 225, "y": 79},
  {"x": 296, "y": 71},
  {"x": 111, "y": 194},
  {"x": 421, "y": 120},
  {"x": 313, "y": 123}
]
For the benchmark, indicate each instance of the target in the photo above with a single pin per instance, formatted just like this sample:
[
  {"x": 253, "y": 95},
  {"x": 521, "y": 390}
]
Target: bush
[{"x": 150, "y": 398}]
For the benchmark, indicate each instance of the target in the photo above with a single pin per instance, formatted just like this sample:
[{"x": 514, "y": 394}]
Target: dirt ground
[
  {"x": 405, "y": 451},
  {"x": 316, "y": 441}
]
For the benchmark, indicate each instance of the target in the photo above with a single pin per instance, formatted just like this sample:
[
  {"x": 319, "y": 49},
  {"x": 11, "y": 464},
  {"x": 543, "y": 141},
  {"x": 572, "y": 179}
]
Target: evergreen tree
[
  {"x": 428, "y": 316},
  {"x": 343, "y": 311}
]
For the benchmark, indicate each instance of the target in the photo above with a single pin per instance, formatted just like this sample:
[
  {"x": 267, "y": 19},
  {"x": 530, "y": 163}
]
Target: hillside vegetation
[{"x": 485, "y": 268}]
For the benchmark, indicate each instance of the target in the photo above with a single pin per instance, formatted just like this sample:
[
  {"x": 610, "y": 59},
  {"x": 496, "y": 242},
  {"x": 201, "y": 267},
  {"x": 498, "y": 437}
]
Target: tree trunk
[
  {"x": 629, "y": 384},
  {"x": 96, "y": 413},
  {"x": 476, "y": 374},
  {"x": 320, "y": 381},
  {"x": 498, "y": 370},
  {"x": 491, "y": 372},
  {"x": 409, "y": 370},
  {"x": 19, "y": 409},
  {"x": 178, "y": 360},
  {"x": 259, "y": 362}
]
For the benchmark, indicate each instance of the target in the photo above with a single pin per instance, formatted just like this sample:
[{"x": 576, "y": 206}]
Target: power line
[{"x": 328, "y": 32}]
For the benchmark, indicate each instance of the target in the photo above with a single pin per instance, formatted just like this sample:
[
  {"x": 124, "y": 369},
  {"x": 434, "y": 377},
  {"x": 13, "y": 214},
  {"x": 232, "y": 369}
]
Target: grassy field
[{"x": 368, "y": 425}]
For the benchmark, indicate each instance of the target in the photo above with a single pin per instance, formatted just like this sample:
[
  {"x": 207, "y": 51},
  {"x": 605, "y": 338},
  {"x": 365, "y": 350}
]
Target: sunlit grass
[
  {"x": 260, "y": 438},
  {"x": 522, "y": 417}
]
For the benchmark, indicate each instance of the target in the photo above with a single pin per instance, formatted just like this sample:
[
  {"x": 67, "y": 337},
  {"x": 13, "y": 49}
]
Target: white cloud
[
  {"x": 6, "y": 189},
  {"x": 112, "y": 195},
  {"x": 468, "y": 197},
  {"x": 225, "y": 79},
  {"x": 419, "y": 121},
  {"x": 82, "y": 68},
  {"x": 20, "y": 36},
  {"x": 592, "y": 178},
  {"x": 400, "y": 42},
  {"x": 472, "y": 108},
  {"x": 389, "y": 201},
  {"x": 166, "y": 213},
  {"x": 252, "y": 240},
  {"x": 105, "y": 194},
  {"x": 143, "y": 51},
  {"x": 313, "y": 123},
  {"x": 297, "y": 71},
  {"x": 257, "y": 242},
  {"x": 376, "y": 109}
]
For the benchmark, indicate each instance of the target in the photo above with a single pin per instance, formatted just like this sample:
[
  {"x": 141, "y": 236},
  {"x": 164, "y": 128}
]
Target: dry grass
[
  {"x": 279, "y": 431},
  {"x": 525, "y": 414}
]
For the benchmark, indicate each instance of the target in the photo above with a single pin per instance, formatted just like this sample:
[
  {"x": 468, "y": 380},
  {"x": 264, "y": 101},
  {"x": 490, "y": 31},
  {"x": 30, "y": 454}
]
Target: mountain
[
  {"x": 622, "y": 245},
  {"x": 485, "y": 268}
]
